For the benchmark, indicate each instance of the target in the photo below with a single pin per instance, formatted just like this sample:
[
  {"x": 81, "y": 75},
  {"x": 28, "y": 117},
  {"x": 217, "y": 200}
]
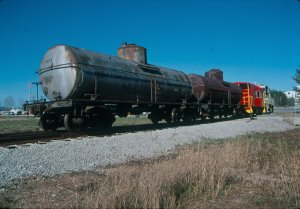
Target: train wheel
[
  {"x": 225, "y": 115},
  {"x": 187, "y": 118},
  {"x": 251, "y": 116},
  {"x": 154, "y": 120},
  {"x": 202, "y": 114},
  {"x": 167, "y": 116},
  {"x": 156, "y": 116},
  {"x": 108, "y": 120},
  {"x": 49, "y": 123},
  {"x": 100, "y": 118},
  {"x": 73, "y": 123},
  {"x": 175, "y": 117},
  {"x": 235, "y": 112},
  {"x": 168, "y": 120},
  {"x": 203, "y": 117}
]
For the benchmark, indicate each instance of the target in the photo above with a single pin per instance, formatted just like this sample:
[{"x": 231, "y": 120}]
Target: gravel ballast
[{"x": 89, "y": 153}]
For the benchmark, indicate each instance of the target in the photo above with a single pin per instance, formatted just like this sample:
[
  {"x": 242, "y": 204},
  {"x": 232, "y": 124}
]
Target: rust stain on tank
[{"x": 46, "y": 79}]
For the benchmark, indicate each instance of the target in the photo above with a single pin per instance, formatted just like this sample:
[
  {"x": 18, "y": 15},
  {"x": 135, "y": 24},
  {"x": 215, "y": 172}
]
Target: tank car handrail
[
  {"x": 66, "y": 65},
  {"x": 35, "y": 101}
]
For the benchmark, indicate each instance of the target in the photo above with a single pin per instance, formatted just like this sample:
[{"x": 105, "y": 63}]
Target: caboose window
[{"x": 257, "y": 94}]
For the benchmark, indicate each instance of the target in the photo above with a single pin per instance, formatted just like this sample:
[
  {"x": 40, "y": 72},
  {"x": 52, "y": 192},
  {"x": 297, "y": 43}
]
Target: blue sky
[{"x": 250, "y": 40}]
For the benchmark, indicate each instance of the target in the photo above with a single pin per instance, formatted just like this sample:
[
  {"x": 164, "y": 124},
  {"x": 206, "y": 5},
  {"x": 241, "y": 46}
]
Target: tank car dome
[
  {"x": 58, "y": 73},
  {"x": 133, "y": 52}
]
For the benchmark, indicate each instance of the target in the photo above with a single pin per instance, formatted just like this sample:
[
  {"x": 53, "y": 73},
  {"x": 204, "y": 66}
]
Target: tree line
[
  {"x": 280, "y": 99},
  {"x": 9, "y": 103}
]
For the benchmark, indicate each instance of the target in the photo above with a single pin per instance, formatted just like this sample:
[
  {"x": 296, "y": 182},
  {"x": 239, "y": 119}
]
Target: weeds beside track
[{"x": 253, "y": 171}]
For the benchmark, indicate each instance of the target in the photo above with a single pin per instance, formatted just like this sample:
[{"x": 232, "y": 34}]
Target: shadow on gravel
[
  {"x": 146, "y": 127},
  {"x": 45, "y": 137}
]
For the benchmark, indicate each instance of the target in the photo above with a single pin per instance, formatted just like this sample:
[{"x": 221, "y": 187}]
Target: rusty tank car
[
  {"x": 73, "y": 73},
  {"x": 217, "y": 96},
  {"x": 88, "y": 88}
]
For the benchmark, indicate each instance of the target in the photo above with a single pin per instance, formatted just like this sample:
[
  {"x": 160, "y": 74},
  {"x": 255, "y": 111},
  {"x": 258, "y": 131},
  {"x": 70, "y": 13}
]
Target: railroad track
[
  {"x": 11, "y": 139},
  {"x": 44, "y": 136},
  {"x": 34, "y": 137}
]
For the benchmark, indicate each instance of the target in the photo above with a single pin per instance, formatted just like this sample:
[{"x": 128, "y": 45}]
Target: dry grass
[
  {"x": 291, "y": 118},
  {"x": 255, "y": 171}
]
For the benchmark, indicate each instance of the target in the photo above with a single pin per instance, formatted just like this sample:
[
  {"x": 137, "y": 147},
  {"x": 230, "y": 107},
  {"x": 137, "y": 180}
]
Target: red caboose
[{"x": 252, "y": 97}]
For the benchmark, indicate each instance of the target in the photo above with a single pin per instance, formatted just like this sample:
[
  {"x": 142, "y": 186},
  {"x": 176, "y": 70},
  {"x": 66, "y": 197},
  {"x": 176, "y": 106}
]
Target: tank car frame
[{"x": 79, "y": 114}]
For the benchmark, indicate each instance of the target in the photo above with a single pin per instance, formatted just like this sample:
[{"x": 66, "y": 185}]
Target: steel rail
[{"x": 34, "y": 137}]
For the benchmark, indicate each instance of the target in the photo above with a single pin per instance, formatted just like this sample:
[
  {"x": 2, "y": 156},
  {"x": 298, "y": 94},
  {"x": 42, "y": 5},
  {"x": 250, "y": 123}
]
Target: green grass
[
  {"x": 131, "y": 120},
  {"x": 17, "y": 124}
]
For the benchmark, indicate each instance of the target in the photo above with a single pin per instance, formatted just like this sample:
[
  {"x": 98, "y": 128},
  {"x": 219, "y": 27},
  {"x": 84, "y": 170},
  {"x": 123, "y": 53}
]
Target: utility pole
[
  {"x": 29, "y": 91},
  {"x": 37, "y": 89}
]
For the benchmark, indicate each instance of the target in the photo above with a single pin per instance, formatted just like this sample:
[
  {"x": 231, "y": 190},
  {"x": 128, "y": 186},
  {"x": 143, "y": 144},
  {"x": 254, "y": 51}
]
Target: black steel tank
[
  {"x": 73, "y": 73},
  {"x": 211, "y": 89}
]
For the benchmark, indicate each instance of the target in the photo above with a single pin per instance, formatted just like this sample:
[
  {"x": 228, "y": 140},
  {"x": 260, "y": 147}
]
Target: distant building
[
  {"x": 295, "y": 95},
  {"x": 290, "y": 94},
  {"x": 16, "y": 111}
]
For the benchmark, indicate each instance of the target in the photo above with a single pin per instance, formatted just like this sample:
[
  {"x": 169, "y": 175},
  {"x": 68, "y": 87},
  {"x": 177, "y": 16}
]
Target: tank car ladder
[{"x": 153, "y": 90}]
